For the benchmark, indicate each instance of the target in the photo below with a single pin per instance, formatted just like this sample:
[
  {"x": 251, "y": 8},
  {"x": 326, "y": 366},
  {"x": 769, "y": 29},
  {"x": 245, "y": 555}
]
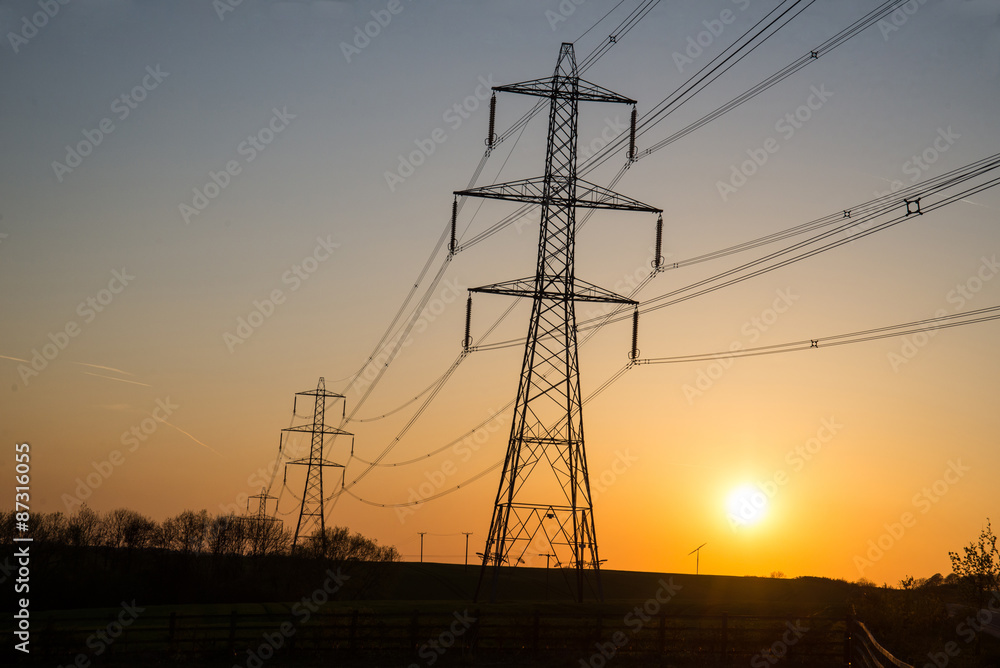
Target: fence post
[
  {"x": 414, "y": 640},
  {"x": 534, "y": 634}
]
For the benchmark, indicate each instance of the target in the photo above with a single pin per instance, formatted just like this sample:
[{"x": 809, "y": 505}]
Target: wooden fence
[
  {"x": 869, "y": 653},
  {"x": 465, "y": 635}
]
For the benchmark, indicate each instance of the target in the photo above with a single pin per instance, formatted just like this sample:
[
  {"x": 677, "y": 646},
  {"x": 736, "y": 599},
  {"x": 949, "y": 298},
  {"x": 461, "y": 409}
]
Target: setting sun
[{"x": 746, "y": 506}]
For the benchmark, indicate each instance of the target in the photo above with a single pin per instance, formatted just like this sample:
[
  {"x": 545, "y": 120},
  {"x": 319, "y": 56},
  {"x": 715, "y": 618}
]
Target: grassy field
[{"x": 413, "y": 609}]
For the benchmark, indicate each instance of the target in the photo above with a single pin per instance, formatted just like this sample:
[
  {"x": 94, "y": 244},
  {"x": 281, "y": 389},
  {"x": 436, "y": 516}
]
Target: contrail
[
  {"x": 16, "y": 359},
  {"x": 106, "y": 368},
  {"x": 120, "y": 380},
  {"x": 189, "y": 436}
]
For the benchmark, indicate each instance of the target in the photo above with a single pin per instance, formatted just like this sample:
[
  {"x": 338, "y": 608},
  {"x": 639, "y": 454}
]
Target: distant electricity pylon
[
  {"x": 548, "y": 418},
  {"x": 311, "y": 516},
  {"x": 259, "y": 525}
]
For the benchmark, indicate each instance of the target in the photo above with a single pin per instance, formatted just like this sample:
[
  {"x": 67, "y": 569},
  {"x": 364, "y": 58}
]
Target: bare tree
[
  {"x": 85, "y": 528},
  {"x": 128, "y": 528},
  {"x": 186, "y": 532}
]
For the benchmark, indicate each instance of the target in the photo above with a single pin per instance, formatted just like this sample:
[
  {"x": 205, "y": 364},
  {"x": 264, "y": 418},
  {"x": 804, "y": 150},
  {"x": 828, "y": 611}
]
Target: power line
[{"x": 903, "y": 329}]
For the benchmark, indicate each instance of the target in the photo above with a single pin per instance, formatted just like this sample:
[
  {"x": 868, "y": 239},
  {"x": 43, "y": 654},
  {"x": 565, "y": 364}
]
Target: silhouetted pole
[
  {"x": 467, "y": 534},
  {"x": 422, "y": 533}
]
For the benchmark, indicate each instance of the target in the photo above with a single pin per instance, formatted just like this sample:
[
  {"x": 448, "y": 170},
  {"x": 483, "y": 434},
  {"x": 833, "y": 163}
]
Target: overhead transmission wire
[
  {"x": 903, "y": 329},
  {"x": 684, "y": 294},
  {"x": 842, "y": 221},
  {"x": 601, "y": 388},
  {"x": 703, "y": 81},
  {"x": 694, "y": 83},
  {"x": 622, "y": 29},
  {"x": 773, "y": 21},
  {"x": 712, "y": 69},
  {"x": 647, "y": 120},
  {"x": 619, "y": 4},
  {"x": 774, "y": 237},
  {"x": 648, "y": 7},
  {"x": 942, "y": 322},
  {"x": 870, "y": 19}
]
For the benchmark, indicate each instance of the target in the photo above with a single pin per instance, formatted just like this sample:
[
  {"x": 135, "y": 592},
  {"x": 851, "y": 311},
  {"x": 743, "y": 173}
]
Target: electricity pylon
[
  {"x": 311, "y": 514},
  {"x": 548, "y": 418},
  {"x": 259, "y": 526}
]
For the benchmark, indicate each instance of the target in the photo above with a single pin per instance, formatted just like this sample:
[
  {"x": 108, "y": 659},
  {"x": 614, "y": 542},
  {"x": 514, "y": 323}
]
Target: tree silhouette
[{"x": 978, "y": 565}]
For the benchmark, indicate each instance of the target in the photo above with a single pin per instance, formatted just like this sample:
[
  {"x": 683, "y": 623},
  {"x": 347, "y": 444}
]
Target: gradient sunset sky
[{"x": 107, "y": 261}]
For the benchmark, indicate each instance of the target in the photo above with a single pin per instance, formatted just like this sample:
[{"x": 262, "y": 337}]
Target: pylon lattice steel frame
[
  {"x": 259, "y": 525},
  {"x": 548, "y": 417},
  {"x": 311, "y": 515}
]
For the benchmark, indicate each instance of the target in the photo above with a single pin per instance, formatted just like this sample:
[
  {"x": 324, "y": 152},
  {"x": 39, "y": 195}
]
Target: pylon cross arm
[
  {"x": 580, "y": 291},
  {"x": 314, "y": 462},
  {"x": 318, "y": 429},
  {"x": 564, "y": 87},
  {"x": 588, "y": 195}
]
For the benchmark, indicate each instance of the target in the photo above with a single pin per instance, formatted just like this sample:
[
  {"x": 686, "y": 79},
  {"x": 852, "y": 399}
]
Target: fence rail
[
  {"x": 870, "y": 653},
  {"x": 469, "y": 634}
]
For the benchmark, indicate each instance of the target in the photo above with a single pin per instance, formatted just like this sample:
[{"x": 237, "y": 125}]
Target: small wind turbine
[{"x": 697, "y": 556}]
